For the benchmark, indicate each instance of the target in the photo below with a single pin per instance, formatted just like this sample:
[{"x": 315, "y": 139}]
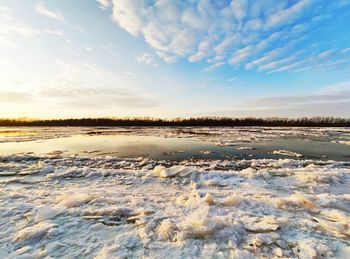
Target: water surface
[{"x": 217, "y": 143}]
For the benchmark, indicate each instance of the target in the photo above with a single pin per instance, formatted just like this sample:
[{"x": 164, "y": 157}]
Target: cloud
[
  {"x": 54, "y": 32},
  {"x": 332, "y": 100},
  {"x": 335, "y": 109},
  {"x": 104, "y": 4},
  {"x": 326, "y": 53},
  {"x": 87, "y": 97},
  {"x": 241, "y": 54},
  {"x": 203, "y": 50},
  {"x": 288, "y": 67},
  {"x": 82, "y": 85},
  {"x": 4, "y": 41},
  {"x": 213, "y": 67},
  {"x": 232, "y": 79},
  {"x": 147, "y": 59},
  {"x": 78, "y": 85},
  {"x": 323, "y": 60},
  {"x": 268, "y": 56},
  {"x": 275, "y": 64},
  {"x": 41, "y": 9},
  {"x": 317, "y": 98},
  {"x": 315, "y": 103},
  {"x": 15, "y": 97},
  {"x": 195, "y": 30},
  {"x": 241, "y": 33},
  {"x": 286, "y": 15},
  {"x": 10, "y": 25},
  {"x": 335, "y": 88}
]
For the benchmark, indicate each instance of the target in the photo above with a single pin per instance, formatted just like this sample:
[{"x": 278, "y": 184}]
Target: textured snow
[
  {"x": 110, "y": 207},
  {"x": 188, "y": 209}
]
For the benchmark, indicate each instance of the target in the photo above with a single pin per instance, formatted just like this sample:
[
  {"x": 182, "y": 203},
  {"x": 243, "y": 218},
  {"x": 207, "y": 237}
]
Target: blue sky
[{"x": 63, "y": 58}]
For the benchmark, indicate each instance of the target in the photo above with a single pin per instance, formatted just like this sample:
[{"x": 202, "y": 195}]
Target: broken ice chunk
[
  {"x": 166, "y": 230},
  {"x": 34, "y": 233},
  {"x": 74, "y": 200},
  {"x": 45, "y": 212},
  {"x": 173, "y": 171},
  {"x": 232, "y": 200}
]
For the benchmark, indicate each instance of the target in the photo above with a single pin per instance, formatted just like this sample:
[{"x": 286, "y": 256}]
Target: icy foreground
[{"x": 105, "y": 207}]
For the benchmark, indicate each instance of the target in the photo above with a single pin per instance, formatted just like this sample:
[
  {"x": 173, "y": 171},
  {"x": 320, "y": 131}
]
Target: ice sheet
[{"x": 107, "y": 207}]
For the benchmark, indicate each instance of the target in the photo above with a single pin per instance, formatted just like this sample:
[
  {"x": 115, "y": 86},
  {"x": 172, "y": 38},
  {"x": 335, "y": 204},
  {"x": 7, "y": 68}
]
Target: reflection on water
[{"x": 160, "y": 147}]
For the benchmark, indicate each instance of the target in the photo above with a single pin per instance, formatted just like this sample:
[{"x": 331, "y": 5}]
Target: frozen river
[{"x": 175, "y": 192}]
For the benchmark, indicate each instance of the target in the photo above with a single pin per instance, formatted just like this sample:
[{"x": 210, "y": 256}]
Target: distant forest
[{"x": 182, "y": 122}]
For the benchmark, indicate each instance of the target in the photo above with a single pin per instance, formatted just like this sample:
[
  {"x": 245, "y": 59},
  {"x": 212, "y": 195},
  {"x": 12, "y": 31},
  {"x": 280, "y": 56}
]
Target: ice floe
[{"x": 104, "y": 206}]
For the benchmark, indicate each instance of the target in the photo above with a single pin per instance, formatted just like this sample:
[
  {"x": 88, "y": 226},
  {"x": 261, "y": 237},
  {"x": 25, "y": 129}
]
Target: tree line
[{"x": 200, "y": 121}]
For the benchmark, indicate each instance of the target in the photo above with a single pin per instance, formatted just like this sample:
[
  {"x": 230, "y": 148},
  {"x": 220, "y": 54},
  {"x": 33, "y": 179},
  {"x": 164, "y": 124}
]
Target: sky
[{"x": 167, "y": 58}]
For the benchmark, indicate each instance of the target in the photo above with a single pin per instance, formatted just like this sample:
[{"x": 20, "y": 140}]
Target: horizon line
[{"x": 152, "y": 118}]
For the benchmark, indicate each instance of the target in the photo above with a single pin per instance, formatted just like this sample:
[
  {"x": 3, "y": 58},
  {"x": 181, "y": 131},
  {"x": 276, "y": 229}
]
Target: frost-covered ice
[
  {"x": 222, "y": 136},
  {"x": 287, "y": 153},
  {"x": 106, "y": 207},
  {"x": 98, "y": 206}
]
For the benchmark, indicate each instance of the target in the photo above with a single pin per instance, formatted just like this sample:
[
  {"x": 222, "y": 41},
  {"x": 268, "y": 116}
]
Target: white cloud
[
  {"x": 6, "y": 42},
  {"x": 287, "y": 14},
  {"x": 288, "y": 67},
  {"x": 242, "y": 33},
  {"x": 335, "y": 88},
  {"x": 41, "y": 9},
  {"x": 332, "y": 100},
  {"x": 296, "y": 100},
  {"x": 268, "y": 56},
  {"x": 239, "y": 8},
  {"x": 319, "y": 61},
  {"x": 232, "y": 79},
  {"x": 128, "y": 14},
  {"x": 204, "y": 50},
  {"x": 275, "y": 64},
  {"x": 54, "y": 32},
  {"x": 325, "y": 54},
  {"x": 9, "y": 24},
  {"x": 104, "y": 4},
  {"x": 332, "y": 63},
  {"x": 213, "y": 67},
  {"x": 231, "y": 41},
  {"x": 78, "y": 28},
  {"x": 254, "y": 24},
  {"x": 15, "y": 97},
  {"x": 11, "y": 27},
  {"x": 79, "y": 85},
  {"x": 147, "y": 59},
  {"x": 241, "y": 54}
]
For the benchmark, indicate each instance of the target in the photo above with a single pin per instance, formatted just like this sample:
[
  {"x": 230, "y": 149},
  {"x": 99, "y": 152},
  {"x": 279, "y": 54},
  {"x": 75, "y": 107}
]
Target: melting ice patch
[{"x": 287, "y": 153}]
